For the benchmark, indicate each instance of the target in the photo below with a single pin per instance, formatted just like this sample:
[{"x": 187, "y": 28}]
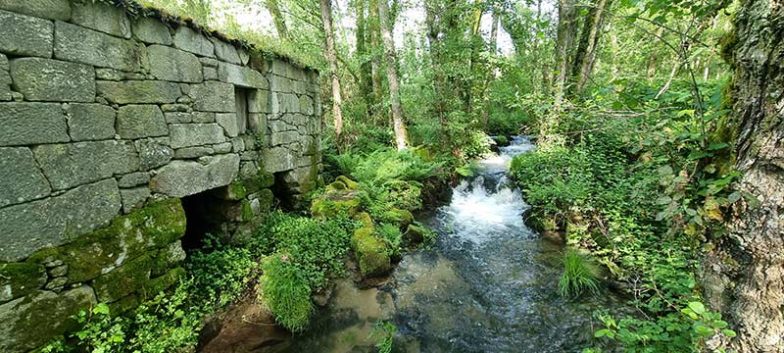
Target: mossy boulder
[
  {"x": 124, "y": 280},
  {"x": 332, "y": 204},
  {"x": 414, "y": 235},
  {"x": 399, "y": 217},
  {"x": 372, "y": 253},
  {"x": 161, "y": 283},
  {"x": 365, "y": 219},
  {"x": 127, "y": 237}
]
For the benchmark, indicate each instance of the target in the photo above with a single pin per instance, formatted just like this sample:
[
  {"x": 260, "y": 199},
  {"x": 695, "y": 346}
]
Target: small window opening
[{"x": 241, "y": 101}]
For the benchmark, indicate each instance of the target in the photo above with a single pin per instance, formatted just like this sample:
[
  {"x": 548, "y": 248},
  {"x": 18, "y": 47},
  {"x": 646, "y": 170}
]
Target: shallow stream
[{"x": 489, "y": 284}]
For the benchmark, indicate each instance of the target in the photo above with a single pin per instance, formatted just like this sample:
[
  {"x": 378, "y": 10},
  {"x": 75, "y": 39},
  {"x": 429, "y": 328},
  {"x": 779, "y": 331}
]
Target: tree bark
[
  {"x": 375, "y": 62},
  {"x": 365, "y": 69},
  {"x": 585, "y": 56},
  {"x": 399, "y": 125},
  {"x": 490, "y": 69},
  {"x": 567, "y": 28},
  {"x": 331, "y": 56},
  {"x": 277, "y": 18},
  {"x": 756, "y": 241}
]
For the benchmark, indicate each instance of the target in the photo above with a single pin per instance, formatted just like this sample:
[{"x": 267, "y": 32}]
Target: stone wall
[{"x": 107, "y": 120}]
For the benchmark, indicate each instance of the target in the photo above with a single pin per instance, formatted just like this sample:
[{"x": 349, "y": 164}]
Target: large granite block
[
  {"x": 171, "y": 64},
  {"x": 32, "y": 123},
  {"x": 183, "y": 178},
  {"x": 69, "y": 165},
  {"x": 129, "y": 92},
  {"x": 20, "y": 178},
  {"x": 79, "y": 44},
  {"x": 137, "y": 121},
  {"x": 53, "y": 80},
  {"x": 25, "y": 35}
]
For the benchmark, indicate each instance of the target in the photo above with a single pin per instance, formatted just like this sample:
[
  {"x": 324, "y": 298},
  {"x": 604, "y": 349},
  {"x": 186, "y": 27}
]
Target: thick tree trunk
[
  {"x": 585, "y": 57},
  {"x": 277, "y": 17},
  {"x": 401, "y": 136},
  {"x": 375, "y": 62},
  {"x": 756, "y": 241},
  {"x": 567, "y": 28},
  {"x": 331, "y": 56}
]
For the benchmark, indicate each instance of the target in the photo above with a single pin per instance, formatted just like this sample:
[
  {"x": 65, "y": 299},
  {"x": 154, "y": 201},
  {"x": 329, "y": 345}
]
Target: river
[{"x": 488, "y": 284}]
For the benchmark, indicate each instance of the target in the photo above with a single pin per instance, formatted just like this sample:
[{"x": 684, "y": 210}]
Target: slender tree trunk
[
  {"x": 476, "y": 43},
  {"x": 365, "y": 69},
  {"x": 439, "y": 78},
  {"x": 589, "y": 44},
  {"x": 756, "y": 240},
  {"x": 399, "y": 125},
  {"x": 331, "y": 56},
  {"x": 673, "y": 73},
  {"x": 278, "y": 19},
  {"x": 375, "y": 62},
  {"x": 490, "y": 69}
]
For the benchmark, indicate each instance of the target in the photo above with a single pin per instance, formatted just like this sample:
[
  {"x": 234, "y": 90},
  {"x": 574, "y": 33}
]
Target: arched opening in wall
[{"x": 206, "y": 213}]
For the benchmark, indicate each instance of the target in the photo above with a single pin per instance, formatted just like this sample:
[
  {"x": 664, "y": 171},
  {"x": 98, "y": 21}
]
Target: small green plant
[
  {"x": 384, "y": 331},
  {"x": 579, "y": 276},
  {"x": 286, "y": 292}
]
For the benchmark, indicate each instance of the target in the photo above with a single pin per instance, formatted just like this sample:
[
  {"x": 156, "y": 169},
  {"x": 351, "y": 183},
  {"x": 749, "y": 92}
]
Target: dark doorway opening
[
  {"x": 201, "y": 219},
  {"x": 283, "y": 193}
]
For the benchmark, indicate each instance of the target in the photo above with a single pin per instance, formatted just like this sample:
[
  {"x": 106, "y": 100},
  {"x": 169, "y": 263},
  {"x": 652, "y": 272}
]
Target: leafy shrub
[
  {"x": 580, "y": 276},
  {"x": 286, "y": 292}
]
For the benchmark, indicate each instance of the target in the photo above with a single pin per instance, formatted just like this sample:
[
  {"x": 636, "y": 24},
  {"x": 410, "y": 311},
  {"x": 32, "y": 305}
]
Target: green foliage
[
  {"x": 286, "y": 292},
  {"x": 580, "y": 276},
  {"x": 385, "y": 332},
  {"x": 170, "y": 321},
  {"x": 316, "y": 248}
]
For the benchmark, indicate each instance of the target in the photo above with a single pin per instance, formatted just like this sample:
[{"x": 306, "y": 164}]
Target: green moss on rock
[
  {"x": 161, "y": 283},
  {"x": 372, "y": 253},
  {"x": 127, "y": 237},
  {"x": 124, "y": 280},
  {"x": 332, "y": 204},
  {"x": 414, "y": 235},
  {"x": 20, "y": 279}
]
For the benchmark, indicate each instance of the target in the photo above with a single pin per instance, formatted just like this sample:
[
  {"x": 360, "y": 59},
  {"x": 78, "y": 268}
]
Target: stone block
[
  {"x": 222, "y": 147},
  {"x": 210, "y": 73},
  {"x": 134, "y": 198},
  {"x": 193, "y": 152},
  {"x": 183, "y": 178},
  {"x": 226, "y": 52},
  {"x": 102, "y": 17},
  {"x": 133, "y": 179},
  {"x": 278, "y": 159},
  {"x": 280, "y": 84},
  {"x": 154, "y": 153},
  {"x": 171, "y": 64},
  {"x": 54, "y": 221},
  {"x": 187, "y": 135},
  {"x": 150, "y": 30},
  {"x": 69, "y": 165},
  {"x": 203, "y": 117},
  {"x": 127, "y": 237},
  {"x": 258, "y": 101},
  {"x": 229, "y": 122},
  {"x": 207, "y": 62},
  {"x": 20, "y": 178},
  {"x": 25, "y": 36},
  {"x": 51, "y": 9},
  {"x": 241, "y": 76},
  {"x": 212, "y": 96},
  {"x": 90, "y": 121},
  {"x": 284, "y": 138},
  {"x": 53, "y": 80},
  {"x": 30, "y": 322},
  {"x": 32, "y": 123},
  {"x": 123, "y": 280},
  {"x": 178, "y": 118},
  {"x": 19, "y": 279},
  {"x": 137, "y": 121},
  {"x": 194, "y": 42},
  {"x": 161, "y": 283},
  {"x": 79, "y": 44},
  {"x": 145, "y": 92},
  {"x": 306, "y": 105}
]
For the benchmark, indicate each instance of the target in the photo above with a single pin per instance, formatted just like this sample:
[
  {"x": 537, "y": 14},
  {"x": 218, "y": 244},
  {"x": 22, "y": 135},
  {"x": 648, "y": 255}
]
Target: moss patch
[
  {"x": 127, "y": 237},
  {"x": 19, "y": 279},
  {"x": 372, "y": 253}
]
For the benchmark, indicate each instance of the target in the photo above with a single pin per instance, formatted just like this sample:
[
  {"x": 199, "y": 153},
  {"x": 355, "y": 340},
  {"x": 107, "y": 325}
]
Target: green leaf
[
  {"x": 729, "y": 333},
  {"x": 697, "y": 307}
]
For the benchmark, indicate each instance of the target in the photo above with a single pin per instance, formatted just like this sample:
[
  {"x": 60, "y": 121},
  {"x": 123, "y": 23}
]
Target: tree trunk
[
  {"x": 567, "y": 28},
  {"x": 756, "y": 241},
  {"x": 490, "y": 69},
  {"x": 331, "y": 56},
  {"x": 439, "y": 78},
  {"x": 375, "y": 62},
  {"x": 401, "y": 136},
  {"x": 365, "y": 69},
  {"x": 585, "y": 56},
  {"x": 277, "y": 17}
]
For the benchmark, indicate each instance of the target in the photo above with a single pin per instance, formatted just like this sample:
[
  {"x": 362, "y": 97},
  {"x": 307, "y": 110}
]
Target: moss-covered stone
[
  {"x": 124, "y": 280},
  {"x": 124, "y": 305},
  {"x": 414, "y": 235},
  {"x": 127, "y": 237},
  {"x": 161, "y": 283},
  {"x": 402, "y": 218},
  {"x": 266, "y": 200},
  {"x": 365, "y": 219},
  {"x": 31, "y": 321},
  {"x": 247, "y": 211},
  {"x": 234, "y": 191},
  {"x": 332, "y": 204},
  {"x": 19, "y": 279},
  {"x": 372, "y": 253}
]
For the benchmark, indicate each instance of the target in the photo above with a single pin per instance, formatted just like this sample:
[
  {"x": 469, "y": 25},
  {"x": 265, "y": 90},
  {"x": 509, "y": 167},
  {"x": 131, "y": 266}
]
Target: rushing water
[{"x": 489, "y": 284}]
